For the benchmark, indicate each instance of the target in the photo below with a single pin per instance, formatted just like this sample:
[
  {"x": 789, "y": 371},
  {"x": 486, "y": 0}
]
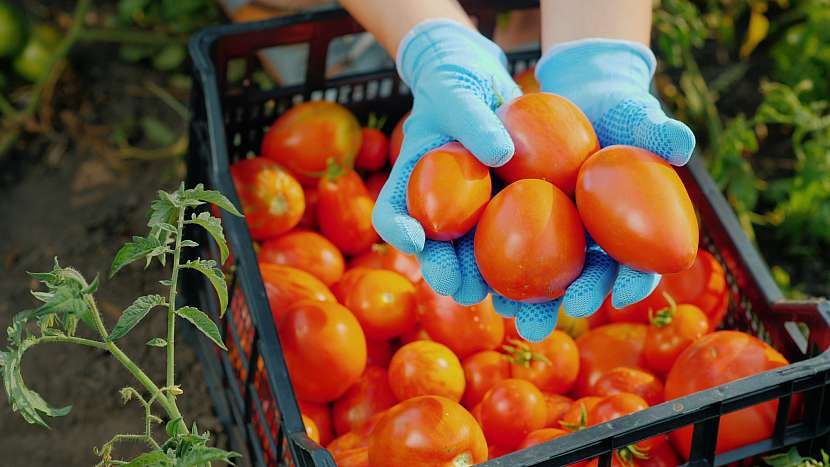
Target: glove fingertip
[
  {"x": 632, "y": 286},
  {"x": 505, "y": 307},
  {"x": 439, "y": 267},
  {"x": 399, "y": 230},
  {"x": 536, "y": 321}
]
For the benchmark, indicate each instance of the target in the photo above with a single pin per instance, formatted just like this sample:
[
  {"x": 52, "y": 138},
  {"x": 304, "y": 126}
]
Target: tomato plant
[
  {"x": 552, "y": 365},
  {"x": 385, "y": 256},
  {"x": 630, "y": 380},
  {"x": 464, "y": 329},
  {"x": 423, "y": 368},
  {"x": 671, "y": 331},
  {"x": 286, "y": 286},
  {"x": 481, "y": 371},
  {"x": 305, "y": 250},
  {"x": 344, "y": 211},
  {"x": 605, "y": 348},
  {"x": 272, "y": 199},
  {"x": 369, "y": 396},
  {"x": 511, "y": 410},
  {"x": 384, "y": 303}
]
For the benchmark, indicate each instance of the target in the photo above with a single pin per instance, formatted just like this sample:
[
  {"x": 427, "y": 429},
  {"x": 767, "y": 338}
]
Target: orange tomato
[
  {"x": 529, "y": 244},
  {"x": 369, "y": 396},
  {"x": 341, "y": 288},
  {"x": 511, "y": 410},
  {"x": 321, "y": 414},
  {"x": 615, "y": 406},
  {"x": 305, "y": 137},
  {"x": 358, "y": 457},
  {"x": 384, "y": 256},
  {"x": 311, "y": 428},
  {"x": 356, "y": 439},
  {"x": 324, "y": 347},
  {"x": 447, "y": 191},
  {"x": 286, "y": 286},
  {"x": 630, "y": 380},
  {"x": 481, "y": 371},
  {"x": 426, "y": 368},
  {"x": 527, "y": 81},
  {"x": 670, "y": 332},
  {"x": 571, "y": 326},
  {"x": 605, "y": 348},
  {"x": 383, "y": 302},
  {"x": 305, "y": 250},
  {"x": 344, "y": 212},
  {"x": 552, "y": 139},
  {"x": 558, "y": 373},
  {"x": 427, "y": 431},
  {"x": 271, "y": 198},
  {"x": 576, "y": 417},
  {"x": 557, "y": 405},
  {"x": 636, "y": 208},
  {"x": 396, "y": 139},
  {"x": 464, "y": 329},
  {"x": 540, "y": 436}
]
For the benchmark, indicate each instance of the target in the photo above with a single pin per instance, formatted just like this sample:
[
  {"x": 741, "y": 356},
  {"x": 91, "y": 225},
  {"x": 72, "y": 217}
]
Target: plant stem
[
  {"x": 73, "y": 340},
  {"x": 171, "y": 306}
]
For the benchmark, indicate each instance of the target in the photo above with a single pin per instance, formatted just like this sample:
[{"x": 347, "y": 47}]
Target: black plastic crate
[{"x": 250, "y": 385}]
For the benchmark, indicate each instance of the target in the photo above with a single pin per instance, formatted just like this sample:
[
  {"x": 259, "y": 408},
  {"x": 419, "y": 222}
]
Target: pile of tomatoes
[{"x": 389, "y": 373}]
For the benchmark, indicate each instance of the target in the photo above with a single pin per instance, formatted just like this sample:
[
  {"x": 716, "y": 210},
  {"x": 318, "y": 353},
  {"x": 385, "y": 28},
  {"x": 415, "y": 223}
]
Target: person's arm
[
  {"x": 569, "y": 20},
  {"x": 390, "y": 20}
]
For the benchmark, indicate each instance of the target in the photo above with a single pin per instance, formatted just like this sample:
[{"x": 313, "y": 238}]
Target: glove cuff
[{"x": 438, "y": 40}]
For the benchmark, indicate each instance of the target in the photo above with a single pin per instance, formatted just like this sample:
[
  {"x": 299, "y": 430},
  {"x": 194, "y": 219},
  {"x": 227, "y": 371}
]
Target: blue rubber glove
[{"x": 458, "y": 78}]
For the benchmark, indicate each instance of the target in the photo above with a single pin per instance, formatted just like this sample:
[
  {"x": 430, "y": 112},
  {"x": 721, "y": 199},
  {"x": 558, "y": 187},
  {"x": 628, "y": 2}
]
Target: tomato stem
[
  {"x": 664, "y": 316},
  {"x": 520, "y": 353}
]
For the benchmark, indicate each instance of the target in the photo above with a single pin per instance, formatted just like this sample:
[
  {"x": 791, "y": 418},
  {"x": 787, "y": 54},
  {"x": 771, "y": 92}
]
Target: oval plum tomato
[
  {"x": 369, "y": 396},
  {"x": 344, "y": 212},
  {"x": 375, "y": 182},
  {"x": 308, "y": 135},
  {"x": 671, "y": 331},
  {"x": 511, "y": 410},
  {"x": 272, "y": 199},
  {"x": 552, "y": 138},
  {"x": 630, "y": 380},
  {"x": 571, "y": 326},
  {"x": 719, "y": 358},
  {"x": 605, "y": 348},
  {"x": 286, "y": 286},
  {"x": 464, "y": 329},
  {"x": 374, "y": 150},
  {"x": 321, "y": 414},
  {"x": 615, "y": 406},
  {"x": 325, "y": 349},
  {"x": 552, "y": 365},
  {"x": 385, "y": 256},
  {"x": 481, "y": 371},
  {"x": 576, "y": 418},
  {"x": 527, "y": 81},
  {"x": 423, "y": 368},
  {"x": 396, "y": 139},
  {"x": 540, "y": 436},
  {"x": 311, "y": 428},
  {"x": 636, "y": 208},
  {"x": 383, "y": 302},
  {"x": 427, "y": 431},
  {"x": 557, "y": 405},
  {"x": 358, "y": 457},
  {"x": 341, "y": 288},
  {"x": 309, "y": 219},
  {"x": 305, "y": 250},
  {"x": 355, "y": 439},
  {"x": 447, "y": 191},
  {"x": 529, "y": 244},
  {"x": 378, "y": 352}
]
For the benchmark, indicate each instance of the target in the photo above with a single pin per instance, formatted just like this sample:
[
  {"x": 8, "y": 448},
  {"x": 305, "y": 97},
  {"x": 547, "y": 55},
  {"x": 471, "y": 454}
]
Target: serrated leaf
[
  {"x": 132, "y": 251},
  {"x": 42, "y": 296},
  {"x": 166, "y": 227},
  {"x": 92, "y": 287},
  {"x": 198, "y": 456},
  {"x": 44, "y": 276},
  {"x": 203, "y": 323},
  {"x": 134, "y": 314},
  {"x": 173, "y": 427},
  {"x": 166, "y": 282},
  {"x": 189, "y": 243},
  {"x": 215, "y": 276},
  {"x": 157, "y": 342},
  {"x": 213, "y": 226},
  {"x": 152, "y": 458},
  {"x": 213, "y": 197},
  {"x": 22, "y": 399}
]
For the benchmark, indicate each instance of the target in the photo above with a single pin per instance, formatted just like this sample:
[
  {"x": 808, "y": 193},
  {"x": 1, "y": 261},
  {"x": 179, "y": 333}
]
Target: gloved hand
[{"x": 458, "y": 78}]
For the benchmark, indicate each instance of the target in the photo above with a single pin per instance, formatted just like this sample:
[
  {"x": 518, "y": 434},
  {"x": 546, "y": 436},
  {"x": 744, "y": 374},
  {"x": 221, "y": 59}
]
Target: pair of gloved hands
[{"x": 458, "y": 79}]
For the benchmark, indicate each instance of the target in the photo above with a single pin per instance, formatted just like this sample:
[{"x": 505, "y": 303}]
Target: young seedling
[{"x": 68, "y": 300}]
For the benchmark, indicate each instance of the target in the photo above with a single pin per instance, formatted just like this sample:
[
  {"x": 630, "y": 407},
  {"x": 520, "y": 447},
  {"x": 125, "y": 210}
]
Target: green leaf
[
  {"x": 139, "y": 248},
  {"x": 156, "y": 132},
  {"x": 213, "y": 197},
  {"x": 189, "y": 243},
  {"x": 152, "y": 458},
  {"x": 198, "y": 456},
  {"x": 170, "y": 57},
  {"x": 203, "y": 323},
  {"x": 134, "y": 314},
  {"x": 157, "y": 342},
  {"x": 92, "y": 287},
  {"x": 173, "y": 427},
  {"x": 213, "y": 226},
  {"x": 21, "y": 398},
  {"x": 215, "y": 276},
  {"x": 166, "y": 282}
]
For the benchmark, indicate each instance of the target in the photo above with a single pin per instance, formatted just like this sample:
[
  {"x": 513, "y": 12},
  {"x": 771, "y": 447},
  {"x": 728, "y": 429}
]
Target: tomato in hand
[
  {"x": 305, "y": 250},
  {"x": 308, "y": 135},
  {"x": 527, "y": 81},
  {"x": 383, "y": 302},
  {"x": 529, "y": 244},
  {"x": 671, "y": 331},
  {"x": 716, "y": 359},
  {"x": 344, "y": 212},
  {"x": 286, "y": 286},
  {"x": 576, "y": 418},
  {"x": 396, "y": 139},
  {"x": 423, "y": 368},
  {"x": 447, "y": 191},
  {"x": 375, "y": 182},
  {"x": 510, "y": 410},
  {"x": 481, "y": 371},
  {"x": 630, "y": 380},
  {"x": 378, "y": 352},
  {"x": 557, "y": 406},
  {"x": 605, "y": 348},
  {"x": 636, "y": 208},
  {"x": 385, "y": 256},
  {"x": 615, "y": 406},
  {"x": 552, "y": 365},
  {"x": 325, "y": 349},
  {"x": 427, "y": 431},
  {"x": 374, "y": 150},
  {"x": 542, "y": 435},
  {"x": 464, "y": 329},
  {"x": 369, "y": 396},
  {"x": 271, "y": 198},
  {"x": 321, "y": 414}
]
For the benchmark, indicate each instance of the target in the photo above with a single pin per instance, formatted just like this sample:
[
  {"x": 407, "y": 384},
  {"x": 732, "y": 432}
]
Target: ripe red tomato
[
  {"x": 615, "y": 406},
  {"x": 305, "y": 250},
  {"x": 540, "y": 436},
  {"x": 494, "y": 451},
  {"x": 369, "y": 396},
  {"x": 636, "y": 208},
  {"x": 344, "y": 212},
  {"x": 378, "y": 353},
  {"x": 321, "y": 414},
  {"x": 552, "y": 138},
  {"x": 341, "y": 288},
  {"x": 385, "y": 256},
  {"x": 358, "y": 457},
  {"x": 311, "y": 428},
  {"x": 527, "y": 81},
  {"x": 557, "y": 374},
  {"x": 396, "y": 139},
  {"x": 481, "y": 371},
  {"x": 511, "y": 410},
  {"x": 447, "y": 191},
  {"x": 605, "y": 348},
  {"x": 576, "y": 418},
  {"x": 374, "y": 150},
  {"x": 423, "y": 368},
  {"x": 719, "y": 358},
  {"x": 286, "y": 286},
  {"x": 305, "y": 137},
  {"x": 375, "y": 182},
  {"x": 272, "y": 199},
  {"x": 383, "y": 302},
  {"x": 309, "y": 219},
  {"x": 557, "y": 405},
  {"x": 355, "y": 439},
  {"x": 325, "y": 349},
  {"x": 654, "y": 452},
  {"x": 427, "y": 431},
  {"x": 529, "y": 244},
  {"x": 630, "y": 380},
  {"x": 670, "y": 332},
  {"x": 464, "y": 329}
]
